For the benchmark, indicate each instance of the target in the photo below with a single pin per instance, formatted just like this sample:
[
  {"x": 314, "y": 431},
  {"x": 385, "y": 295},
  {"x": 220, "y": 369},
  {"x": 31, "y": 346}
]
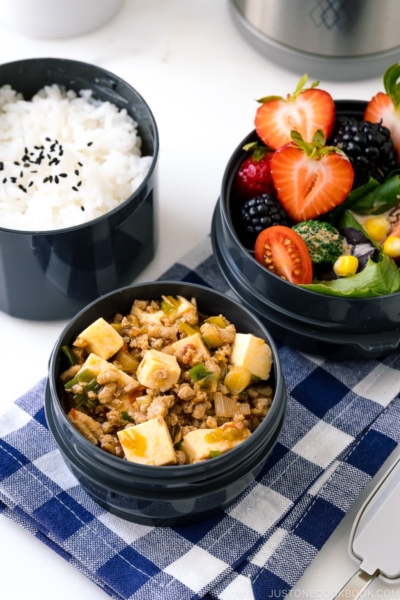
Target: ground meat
[
  {"x": 88, "y": 427},
  {"x": 107, "y": 377},
  {"x": 199, "y": 411},
  {"x": 185, "y": 392},
  {"x": 160, "y": 405},
  {"x": 107, "y": 393},
  {"x": 115, "y": 418},
  {"x": 165, "y": 333},
  {"x": 69, "y": 373},
  {"x": 180, "y": 457},
  {"x": 110, "y": 444}
]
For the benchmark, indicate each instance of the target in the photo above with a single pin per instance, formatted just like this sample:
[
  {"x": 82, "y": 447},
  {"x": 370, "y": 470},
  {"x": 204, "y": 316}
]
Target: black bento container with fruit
[
  {"x": 318, "y": 324},
  {"x": 48, "y": 275},
  {"x": 170, "y": 495}
]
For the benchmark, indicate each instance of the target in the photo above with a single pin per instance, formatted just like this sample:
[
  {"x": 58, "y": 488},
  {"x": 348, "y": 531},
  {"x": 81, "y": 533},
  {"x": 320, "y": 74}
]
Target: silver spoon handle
[{"x": 356, "y": 585}]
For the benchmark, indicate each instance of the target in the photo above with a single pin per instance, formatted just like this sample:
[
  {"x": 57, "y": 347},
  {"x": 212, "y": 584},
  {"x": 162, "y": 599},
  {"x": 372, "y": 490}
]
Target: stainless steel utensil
[{"x": 374, "y": 538}]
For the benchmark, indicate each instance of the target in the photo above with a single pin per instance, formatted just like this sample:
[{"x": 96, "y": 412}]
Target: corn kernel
[
  {"x": 346, "y": 265},
  {"x": 391, "y": 246},
  {"x": 377, "y": 228}
]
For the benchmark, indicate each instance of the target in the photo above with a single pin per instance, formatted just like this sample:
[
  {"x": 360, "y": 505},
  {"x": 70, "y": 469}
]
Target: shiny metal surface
[{"x": 339, "y": 28}]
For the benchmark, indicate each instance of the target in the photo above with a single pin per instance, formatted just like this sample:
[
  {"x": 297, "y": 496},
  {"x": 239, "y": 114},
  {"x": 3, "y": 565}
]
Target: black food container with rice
[
  {"x": 47, "y": 275},
  {"x": 339, "y": 328},
  {"x": 168, "y": 495}
]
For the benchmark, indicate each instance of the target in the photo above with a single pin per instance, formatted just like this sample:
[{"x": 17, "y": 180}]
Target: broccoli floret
[{"x": 324, "y": 242}]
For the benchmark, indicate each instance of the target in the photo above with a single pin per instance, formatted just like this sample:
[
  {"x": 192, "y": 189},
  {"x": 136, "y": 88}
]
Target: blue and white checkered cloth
[{"x": 343, "y": 422}]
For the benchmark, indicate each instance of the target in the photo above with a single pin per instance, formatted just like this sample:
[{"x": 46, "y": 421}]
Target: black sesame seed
[
  {"x": 90, "y": 143},
  {"x": 48, "y": 139},
  {"x": 21, "y": 174},
  {"x": 61, "y": 153},
  {"x": 48, "y": 156},
  {"x": 80, "y": 164},
  {"x": 33, "y": 171},
  {"x": 63, "y": 175},
  {"x": 56, "y": 179},
  {"x": 27, "y": 165},
  {"x": 30, "y": 153},
  {"x": 25, "y": 158},
  {"x": 13, "y": 179},
  {"x": 74, "y": 188},
  {"x": 79, "y": 184},
  {"x": 31, "y": 183},
  {"x": 16, "y": 163},
  {"x": 51, "y": 178},
  {"x": 26, "y": 150},
  {"x": 45, "y": 180},
  {"x": 36, "y": 148},
  {"x": 56, "y": 141},
  {"x": 5, "y": 180},
  {"x": 1, "y": 166},
  {"x": 52, "y": 147},
  {"x": 21, "y": 187},
  {"x": 76, "y": 172},
  {"x": 82, "y": 208}
]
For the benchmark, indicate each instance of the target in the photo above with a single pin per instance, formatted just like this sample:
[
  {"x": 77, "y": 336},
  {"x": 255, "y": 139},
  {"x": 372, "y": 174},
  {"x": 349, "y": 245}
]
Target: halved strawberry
[
  {"x": 310, "y": 179},
  {"x": 305, "y": 111},
  {"x": 385, "y": 108},
  {"x": 254, "y": 174}
]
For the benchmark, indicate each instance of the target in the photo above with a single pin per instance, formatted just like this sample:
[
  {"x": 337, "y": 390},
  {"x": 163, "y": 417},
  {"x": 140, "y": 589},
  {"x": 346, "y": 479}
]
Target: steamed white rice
[{"x": 98, "y": 160}]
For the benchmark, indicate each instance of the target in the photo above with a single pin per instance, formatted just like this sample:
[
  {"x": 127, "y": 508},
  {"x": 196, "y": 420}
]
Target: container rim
[
  {"x": 237, "y": 156},
  {"x": 180, "y": 472},
  {"x": 134, "y": 194}
]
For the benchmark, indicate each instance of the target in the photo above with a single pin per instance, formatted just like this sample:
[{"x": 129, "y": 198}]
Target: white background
[{"x": 201, "y": 79}]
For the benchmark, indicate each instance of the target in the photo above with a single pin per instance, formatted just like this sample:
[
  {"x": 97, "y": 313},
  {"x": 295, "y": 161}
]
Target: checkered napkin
[{"x": 343, "y": 422}]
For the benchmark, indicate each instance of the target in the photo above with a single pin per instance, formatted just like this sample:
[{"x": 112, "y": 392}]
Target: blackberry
[
  {"x": 258, "y": 214},
  {"x": 368, "y": 146}
]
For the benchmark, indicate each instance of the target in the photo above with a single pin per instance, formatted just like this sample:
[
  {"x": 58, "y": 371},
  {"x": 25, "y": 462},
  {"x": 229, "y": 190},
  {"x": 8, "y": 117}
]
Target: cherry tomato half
[{"x": 283, "y": 252}]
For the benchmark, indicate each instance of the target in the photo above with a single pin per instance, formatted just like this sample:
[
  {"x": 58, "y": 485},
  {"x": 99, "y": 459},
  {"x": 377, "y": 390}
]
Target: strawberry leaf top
[
  {"x": 315, "y": 149},
  {"x": 299, "y": 89},
  {"x": 257, "y": 149},
  {"x": 391, "y": 83}
]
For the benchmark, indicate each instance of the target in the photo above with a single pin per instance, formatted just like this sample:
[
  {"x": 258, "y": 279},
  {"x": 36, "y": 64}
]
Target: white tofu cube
[
  {"x": 183, "y": 307},
  {"x": 98, "y": 365},
  {"x": 158, "y": 371},
  {"x": 148, "y": 443},
  {"x": 101, "y": 339},
  {"x": 197, "y": 447},
  {"x": 192, "y": 340},
  {"x": 251, "y": 352}
]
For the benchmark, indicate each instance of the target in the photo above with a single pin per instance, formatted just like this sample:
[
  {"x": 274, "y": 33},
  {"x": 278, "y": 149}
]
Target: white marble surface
[{"x": 200, "y": 79}]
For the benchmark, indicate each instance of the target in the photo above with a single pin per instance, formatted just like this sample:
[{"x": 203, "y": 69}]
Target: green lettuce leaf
[{"x": 377, "y": 279}]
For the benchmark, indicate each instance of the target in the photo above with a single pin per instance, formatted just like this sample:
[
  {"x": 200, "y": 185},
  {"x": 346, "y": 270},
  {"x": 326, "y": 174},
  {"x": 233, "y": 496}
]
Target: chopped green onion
[
  {"x": 198, "y": 372},
  {"x": 84, "y": 375},
  {"x": 177, "y": 445},
  {"x": 214, "y": 453},
  {"x": 255, "y": 379},
  {"x": 69, "y": 354},
  {"x": 127, "y": 417}
]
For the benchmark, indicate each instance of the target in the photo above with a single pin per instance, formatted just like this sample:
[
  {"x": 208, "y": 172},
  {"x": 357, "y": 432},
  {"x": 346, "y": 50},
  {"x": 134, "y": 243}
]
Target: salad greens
[
  {"x": 377, "y": 279},
  {"x": 372, "y": 198}
]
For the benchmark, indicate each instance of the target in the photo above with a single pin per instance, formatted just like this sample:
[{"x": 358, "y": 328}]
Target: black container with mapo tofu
[{"x": 165, "y": 400}]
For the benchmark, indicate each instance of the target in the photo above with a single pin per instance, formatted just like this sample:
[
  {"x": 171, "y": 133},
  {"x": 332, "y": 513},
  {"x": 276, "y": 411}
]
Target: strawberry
[
  {"x": 254, "y": 175},
  {"x": 305, "y": 111},
  {"x": 310, "y": 179},
  {"x": 385, "y": 108}
]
